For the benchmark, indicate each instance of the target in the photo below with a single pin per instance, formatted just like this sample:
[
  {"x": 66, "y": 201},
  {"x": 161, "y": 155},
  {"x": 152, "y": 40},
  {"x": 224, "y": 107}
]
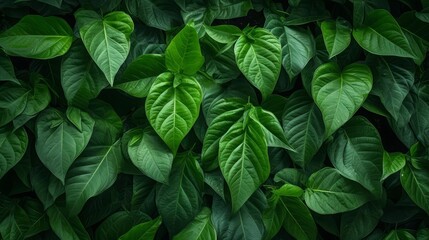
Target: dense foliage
[{"x": 214, "y": 119}]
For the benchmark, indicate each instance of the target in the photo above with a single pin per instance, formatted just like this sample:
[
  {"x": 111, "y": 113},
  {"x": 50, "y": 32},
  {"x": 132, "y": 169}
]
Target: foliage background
[{"x": 227, "y": 119}]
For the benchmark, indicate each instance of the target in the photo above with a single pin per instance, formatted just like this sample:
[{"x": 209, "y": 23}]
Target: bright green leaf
[
  {"x": 173, "y": 106},
  {"x": 339, "y": 93},
  {"x": 107, "y": 39},
  {"x": 37, "y": 37},
  {"x": 258, "y": 56},
  {"x": 392, "y": 163},
  {"x": 328, "y": 192},
  {"x": 336, "y": 35},
  {"x": 183, "y": 54},
  {"x": 243, "y": 160}
]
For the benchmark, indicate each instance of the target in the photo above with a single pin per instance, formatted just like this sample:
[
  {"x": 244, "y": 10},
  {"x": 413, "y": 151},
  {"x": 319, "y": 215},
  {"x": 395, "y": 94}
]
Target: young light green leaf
[
  {"x": 180, "y": 200},
  {"x": 258, "y": 56},
  {"x": 200, "y": 228},
  {"x": 336, "y": 35},
  {"x": 246, "y": 224},
  {"x": 271, "y": 126},
  {"x": 357, "y": 153},
  {"x": 81, "y": 79},
  {"x": 119, "y": 223},
  {"x": 393, "y": 80},
  {"x": 339, "y": 94},
  {"x": 150, "y": 155},
  {"x": 357, "y": 224},
  {"x": 66, "y": 226},
  {"x": 52, "y": 36},
  {"x": 183, "y": 54},
  {"x": 288, "y": 190},
  {"x": 13, "y": 145},
  {"x": 416, "y": 183},
  {"x": 143, "y": 231},
  {"x": 380, "y": 34},
  {"x": 328, "y": 192},
  {"x": 298, "y": 221},
  {"x": 140, "y": 74},
  {"x": 298, "y": 45},
  {"x": 173, "y": 106},
  {"x": 392, "y": 163},
  {"x": 223, "y": 33},
  {"x": 107, "y": 40},
  {"x": 243, "y": 160},
  {"x": 94, "y": 171},
  {"x": 59, "y": 142},
  {"x": 303, "y": 127}
]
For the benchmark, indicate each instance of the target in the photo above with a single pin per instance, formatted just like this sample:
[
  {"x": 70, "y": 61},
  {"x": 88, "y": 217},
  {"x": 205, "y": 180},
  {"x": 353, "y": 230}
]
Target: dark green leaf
[
  {"x": 359, "y": 223},
  {"x": 416, "y": 183},
  {"x": 59, "y": 142},
  {"x": 180, "y": 200},
  {"x": 13, "y": 145},
  {"x": 66, "y": 226},
  {"x": 200, "y": 228},
  {"x": 143, "y": 231},
  {"x": 118, "y": 224}
]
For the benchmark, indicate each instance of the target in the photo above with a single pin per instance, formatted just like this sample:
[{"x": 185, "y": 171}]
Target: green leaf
[
  {"x": 173, "y": 106},
  {"x": 328, "y": 192},
  {"x": 118, "y": 224},
  {"x": 183, "y": 54},
  {"x": 258, "y": 56},
  {"x": 392, "y": 163},
  {"x": 66, "y": 226},
  {"x": 246, "y": 224},
  {"x": 226, "y": 112},
  {"x": 52, "y": 36},
  {"x": 380, "y": 34},
  {"x": 223, "y": 33},
  {"x": 46, "y": 186},
  {"x": 94, "y": 171},
  {"x": 416, "y": 183},
  {"x": 108, "y": 125},
  {"x": 107, "y": 39},
  {"x": 306, "y": 11},
  {"x": 339, "y": 93},
  {"x": 150, "y": 155},
  {"x": 59, "y": 142},
  {"x": 81, "y": 79},
  {"x": 357, "y": 153},
  {"x": 179, "y": 201},
  {"x": 13, "y": 100},
  {"x": 13, "y": 145},
  {"x": 288, "y": 190},
  {"x": 271, "y": 126},
  {"x": 143, "y": 231},
  {"x": 7, "y": 72},
  {"x": 336, "y": 35},
  {"x": 15, "y": 225},
  {"x": 419, "y": 122},
  {"x": 303, "y": 127},
  {"x": 298, "y": 45},
  {"x": 227, "y": 9},
  {"x": 273, "y": 217},
  {"x": 243, "y": 160},
  {"x": 298, "y": 221},
  {"x": 200, "y": 228},
  {"x": 359, "y": 223},
  {"x": 399, "y": 234},
  {"x": 38, "y": 97},
  {"x": 162, "y": 14},
  {"x": 139, "y": 75},
  {"x": 393, "y": 80}
]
